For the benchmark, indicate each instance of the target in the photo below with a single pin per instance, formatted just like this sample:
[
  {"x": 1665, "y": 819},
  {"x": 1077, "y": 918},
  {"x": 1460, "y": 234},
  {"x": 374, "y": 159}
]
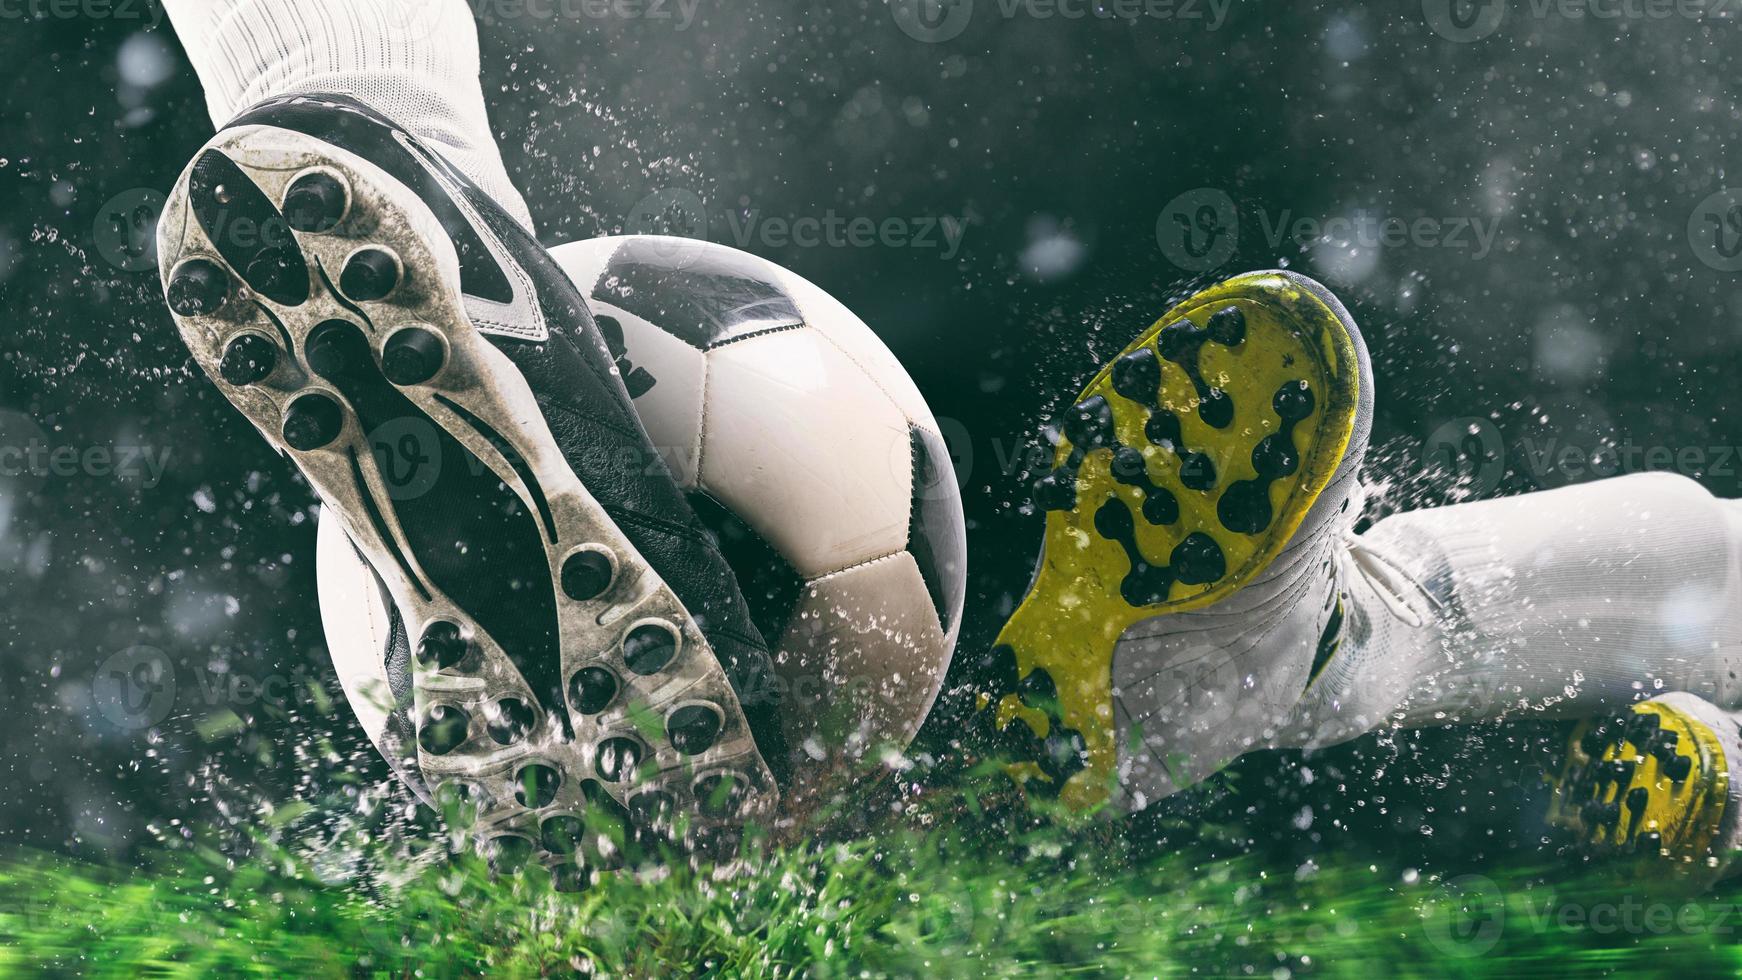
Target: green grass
[{"x": 951, "y": 886}]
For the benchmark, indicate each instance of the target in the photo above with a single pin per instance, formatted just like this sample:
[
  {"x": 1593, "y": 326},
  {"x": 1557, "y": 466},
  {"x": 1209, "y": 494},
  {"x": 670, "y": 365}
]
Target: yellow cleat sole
[
  {"x": 1183, "y": 469},
  {"x": 1651, "y": 783}
]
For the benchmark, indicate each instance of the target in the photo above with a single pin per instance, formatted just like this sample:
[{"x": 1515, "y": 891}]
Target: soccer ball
[{"x": 803, "y": 445}]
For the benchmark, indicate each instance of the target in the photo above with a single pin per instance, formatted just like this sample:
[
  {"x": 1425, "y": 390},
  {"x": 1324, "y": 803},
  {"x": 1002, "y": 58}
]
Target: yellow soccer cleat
[
  {"x": 1186, "y": 593},
  {"x": 1654, "y": 784}
]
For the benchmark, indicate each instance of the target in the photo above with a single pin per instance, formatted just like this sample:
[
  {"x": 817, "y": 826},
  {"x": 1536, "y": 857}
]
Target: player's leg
[
  {"x": 1564, "y": 603},
  {"x": 1570, "y": 603},
  {"x": 413, "y": 61},
  {"x": 391, "y": 327}
]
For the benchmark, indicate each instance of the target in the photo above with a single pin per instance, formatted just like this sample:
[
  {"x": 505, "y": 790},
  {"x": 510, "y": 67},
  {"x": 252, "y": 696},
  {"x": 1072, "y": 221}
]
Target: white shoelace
[{"x": 1400, "y": 591}]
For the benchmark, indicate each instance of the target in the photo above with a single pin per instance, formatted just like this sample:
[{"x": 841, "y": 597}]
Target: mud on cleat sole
[
  {"x": 1183, "y": 469},
  {"x": 1651, "y": 785},
  {"x": 557, "y": 676}
]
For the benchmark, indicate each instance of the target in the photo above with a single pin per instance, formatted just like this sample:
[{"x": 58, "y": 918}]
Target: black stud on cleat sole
[
  {"x": 1227, "y": 326},
  {"x": 335, "y": 348},
  {"x": 586, "y": 575},
  {"x": 693, "y": 728},
  {"x": 562, "y": 834},
  {"x": 592, "y": 690},
  {"x": 276, "y": 270},
  {"x": 1198, "y": 472},
  {"x": 1137, "y": 377},
  {"x": 312, "y": 421},
  {"x": 1678, "y": 768},
  {"x": 1090, "y": 423},
  {"x": 618, "y": 758},
  {"x": 316, "y": 202},
  {"x": 442, "y": 646},
  {"x": 1216, "y": 409},
  {"x": 535, "y": 786},
  {"x": 444, "y": 729},
  {"x": 1198, "y": 560},
  {"x": 509, "y": 720},
  {"x": 370, "y": 275},
  {"x": 508, "y": 853},
  {"x": 1056, "y": 491},
  {"x": 412, "y": 356},
  {"x": 197, "y": 288},
  {"x": 649, "y": 648},
  {"x": 248, "y": 359}
]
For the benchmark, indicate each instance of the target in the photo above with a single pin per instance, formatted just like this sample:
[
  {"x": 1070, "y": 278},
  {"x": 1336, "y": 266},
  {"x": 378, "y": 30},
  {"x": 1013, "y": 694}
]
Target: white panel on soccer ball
[
  {"x": 829, "y": 316},
  {"x": 585, "y": 261},
  {"x": 862, "y": 659},
  {"x": 355, "y": 618},
  {"x": 808, "y": 451}
]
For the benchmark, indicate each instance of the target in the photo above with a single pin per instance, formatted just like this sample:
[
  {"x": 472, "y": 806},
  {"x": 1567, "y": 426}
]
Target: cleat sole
[
  {"x": 430, "y": 448},
  {"x": 1183, "y": 469},
  {"x": 1653, "y": 783}
]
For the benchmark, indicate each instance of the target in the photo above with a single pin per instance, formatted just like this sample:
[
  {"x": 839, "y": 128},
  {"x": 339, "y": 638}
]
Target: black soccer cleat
[{"x": 576, "y": 644}]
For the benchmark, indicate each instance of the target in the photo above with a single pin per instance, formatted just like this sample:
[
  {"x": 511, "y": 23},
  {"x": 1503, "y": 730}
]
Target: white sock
[
  {"x": 1554, "y": 604},
  {"x": 415, "y": 61}
]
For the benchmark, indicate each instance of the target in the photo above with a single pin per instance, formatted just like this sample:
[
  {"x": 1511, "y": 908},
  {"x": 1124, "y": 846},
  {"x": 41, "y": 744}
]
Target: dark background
[{"x": 1593, "y": 321}]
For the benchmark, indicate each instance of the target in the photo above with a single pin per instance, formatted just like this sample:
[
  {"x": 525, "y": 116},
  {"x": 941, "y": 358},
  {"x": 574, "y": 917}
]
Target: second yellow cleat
[{"x": 1184, "y": 468}]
